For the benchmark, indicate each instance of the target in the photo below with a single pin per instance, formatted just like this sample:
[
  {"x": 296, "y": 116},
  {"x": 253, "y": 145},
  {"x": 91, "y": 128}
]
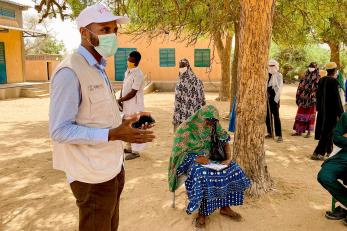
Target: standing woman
[
  {"x": 306, "y": 99},
  {"x": 274, "y": 90},
  {"x": 189, "y": 94}
]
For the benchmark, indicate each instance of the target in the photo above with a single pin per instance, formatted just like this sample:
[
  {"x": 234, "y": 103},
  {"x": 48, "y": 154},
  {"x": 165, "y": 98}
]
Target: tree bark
[
  {"x": 254, "y": 45},
  {"x": 234, "y": 81},
  {"x": 224, "y": 53},
  {"x": 335, "y": 52}
]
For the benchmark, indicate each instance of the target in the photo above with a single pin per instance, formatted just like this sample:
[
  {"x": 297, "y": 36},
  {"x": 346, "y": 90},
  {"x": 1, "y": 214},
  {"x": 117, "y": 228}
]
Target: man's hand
[
  {"x": 120, "y": 102},
  {"x": 131, "y": 135},
  {"x": 202, "y": 160},
  {"x": 345, "y": 135}
]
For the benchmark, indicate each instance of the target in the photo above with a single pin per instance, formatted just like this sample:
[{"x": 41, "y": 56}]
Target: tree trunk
[
  {"x": 254, "y": 45},
  {"x": 234, "y": 81},
  {"x": 335, "y": 52},
  {"x": 224, "y": 53}
]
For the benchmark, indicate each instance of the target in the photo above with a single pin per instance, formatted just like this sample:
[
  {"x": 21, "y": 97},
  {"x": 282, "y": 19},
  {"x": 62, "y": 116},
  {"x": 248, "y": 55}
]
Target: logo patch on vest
[{"x": 95, "y": 87}]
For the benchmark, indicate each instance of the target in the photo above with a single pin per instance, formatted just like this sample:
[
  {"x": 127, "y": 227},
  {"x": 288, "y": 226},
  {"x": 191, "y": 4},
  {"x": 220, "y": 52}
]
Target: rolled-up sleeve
[{"x": 64, "y": 105}]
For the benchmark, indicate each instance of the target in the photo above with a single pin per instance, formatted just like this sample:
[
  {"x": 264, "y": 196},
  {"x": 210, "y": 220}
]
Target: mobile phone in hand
[{"x": 143, "y": 121}]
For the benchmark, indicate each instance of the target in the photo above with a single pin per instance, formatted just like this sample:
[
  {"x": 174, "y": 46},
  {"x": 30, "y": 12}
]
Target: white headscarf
[{"x": 276, "y": 81}]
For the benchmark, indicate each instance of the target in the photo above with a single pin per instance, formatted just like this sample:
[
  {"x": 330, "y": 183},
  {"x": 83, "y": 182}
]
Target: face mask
[
  {"x": 272, "y": 70},
  {"x": 183, "y": 70},
  {"x": 131, "y": 65},
  {"x": 108, "y": 44},
  {"x": 311, "y": 69}
]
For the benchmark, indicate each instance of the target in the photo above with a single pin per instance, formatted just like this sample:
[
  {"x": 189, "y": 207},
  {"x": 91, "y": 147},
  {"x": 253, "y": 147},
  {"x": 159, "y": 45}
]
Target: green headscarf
[
  {"x": 341, "y": 82},
  {"x": 193, "y": 136}
]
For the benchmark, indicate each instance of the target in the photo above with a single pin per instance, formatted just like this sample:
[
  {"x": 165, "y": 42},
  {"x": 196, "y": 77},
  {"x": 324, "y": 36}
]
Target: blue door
[
  {"x": 120, "y": 59},
  {"x": 3, "y": 78}
]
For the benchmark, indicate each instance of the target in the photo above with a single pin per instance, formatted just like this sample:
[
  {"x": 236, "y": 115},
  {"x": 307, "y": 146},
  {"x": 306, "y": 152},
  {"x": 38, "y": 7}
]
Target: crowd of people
[
  {"x": 321, "y": 94},
  {"x": 88, "y": 127}
]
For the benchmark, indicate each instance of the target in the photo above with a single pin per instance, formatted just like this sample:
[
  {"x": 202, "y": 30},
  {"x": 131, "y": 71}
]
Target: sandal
[
  {"x": 131, "y": 156},
  {"x": 339, "y": 214},
  {"x": 280, "y": 139},
  {"x": 127, "y": 151},
  {"x": 232, "y": 215},
  {"x": 317, "y": 157},
  {"x": 198, "y": 223}
]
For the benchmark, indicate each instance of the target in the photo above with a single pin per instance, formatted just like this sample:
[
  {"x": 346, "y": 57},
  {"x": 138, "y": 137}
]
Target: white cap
[{"x": 98, "y": 13}]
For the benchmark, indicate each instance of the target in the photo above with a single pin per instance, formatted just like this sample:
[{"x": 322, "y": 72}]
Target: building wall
[
  {"x": 38, "y": 71},
  {"x": 19, "y": 18},
  {"x": 150, "y": 63},
  {"x": 13, "y": 55},
  {"x": 14, "y": 45}
]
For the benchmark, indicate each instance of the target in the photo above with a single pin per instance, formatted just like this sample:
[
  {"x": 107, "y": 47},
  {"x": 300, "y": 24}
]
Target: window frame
[
  {"x": 7, "y": 13},
  {"x": 205, "y": 55},
  {"x": 168, "y": 61}
]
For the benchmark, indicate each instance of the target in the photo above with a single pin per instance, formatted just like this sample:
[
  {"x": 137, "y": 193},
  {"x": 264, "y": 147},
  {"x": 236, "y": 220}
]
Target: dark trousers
[
  {"x": 325, "y": 144},
  {"x": 99, "y": 203},
  {"x": 332, "y": 170},
  {"x": 275, "y": 112}
]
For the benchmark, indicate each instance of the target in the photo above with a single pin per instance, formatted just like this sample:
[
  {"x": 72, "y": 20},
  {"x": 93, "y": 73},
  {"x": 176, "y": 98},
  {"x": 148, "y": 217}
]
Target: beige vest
[{"x": 91, "y": 163}]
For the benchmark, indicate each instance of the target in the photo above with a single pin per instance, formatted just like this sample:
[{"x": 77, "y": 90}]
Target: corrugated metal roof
[
  {"x": 22, "y": 29},
  {"x": 22, "y": 3}
]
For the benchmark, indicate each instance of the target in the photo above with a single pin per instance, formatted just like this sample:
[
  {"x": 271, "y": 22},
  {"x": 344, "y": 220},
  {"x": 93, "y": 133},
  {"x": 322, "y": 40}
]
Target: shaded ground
[{"x": 33, "y": 196}]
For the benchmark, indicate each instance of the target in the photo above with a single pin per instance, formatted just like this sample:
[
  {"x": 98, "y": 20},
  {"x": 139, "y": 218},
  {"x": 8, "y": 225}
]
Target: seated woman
[{"x": 207, "y": 189}]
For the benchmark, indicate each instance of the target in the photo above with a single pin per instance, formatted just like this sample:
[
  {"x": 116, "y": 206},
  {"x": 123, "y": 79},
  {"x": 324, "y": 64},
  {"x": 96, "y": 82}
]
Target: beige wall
[
  {"x": 14, "y": 46},
  {"x": 150, "y": 63},
  {"x": 36, "y": 70}
]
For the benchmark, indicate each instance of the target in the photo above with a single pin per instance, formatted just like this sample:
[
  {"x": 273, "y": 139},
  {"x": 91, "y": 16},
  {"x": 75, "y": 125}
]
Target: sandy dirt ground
[{"x": 33, "y": 196}]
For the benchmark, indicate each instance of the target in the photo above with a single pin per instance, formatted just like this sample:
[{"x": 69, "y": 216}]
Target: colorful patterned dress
[
  {"x": 306, "y": 99},
  {"x": 189, "y": 95},
  {"x": 207, "y": 189}
]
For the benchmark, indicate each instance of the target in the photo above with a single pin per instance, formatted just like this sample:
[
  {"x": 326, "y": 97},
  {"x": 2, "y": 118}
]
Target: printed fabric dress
[
  {"x": 306, "y": 99},
  {"x": 207, "y": 189},
  {"x": 189, "y": 95}
]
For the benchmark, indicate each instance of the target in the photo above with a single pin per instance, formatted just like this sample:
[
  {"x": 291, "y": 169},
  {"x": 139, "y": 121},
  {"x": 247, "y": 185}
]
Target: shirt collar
[
  {"x": 133, "y": 69},
  {"x": 90, "y": 58}
]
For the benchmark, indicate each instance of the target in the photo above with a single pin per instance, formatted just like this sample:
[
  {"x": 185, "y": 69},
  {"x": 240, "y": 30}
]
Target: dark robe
[{"x": 329, "y": 106}]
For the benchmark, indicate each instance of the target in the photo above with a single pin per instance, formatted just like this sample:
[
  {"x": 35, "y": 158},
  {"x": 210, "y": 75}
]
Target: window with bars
[
  {"x": 202, "y": 57},
  {"x": 7, "y": 13},
  {"x": 167, "y": 57}
]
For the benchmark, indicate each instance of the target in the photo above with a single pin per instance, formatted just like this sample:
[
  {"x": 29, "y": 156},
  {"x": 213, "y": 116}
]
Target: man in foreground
[{"x": 86, "y": 126}]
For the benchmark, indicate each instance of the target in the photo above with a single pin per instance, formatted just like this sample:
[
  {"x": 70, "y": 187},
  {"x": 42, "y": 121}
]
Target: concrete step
[
  {"x": 43, "y": 95},
  {"x": 31, "y": 92}
]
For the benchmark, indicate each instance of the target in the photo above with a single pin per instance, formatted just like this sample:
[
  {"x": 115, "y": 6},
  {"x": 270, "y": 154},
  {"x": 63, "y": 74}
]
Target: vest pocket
[{"x": 101, "y": 112}]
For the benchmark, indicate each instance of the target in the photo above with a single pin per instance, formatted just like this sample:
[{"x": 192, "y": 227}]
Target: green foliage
[
  {"x": 291, "y": 61},
  {"x": 300, "y": 22},
  {"x": 294, "y": 61},
  {"x": 42, "y": 45},
  {"x": 186, "y": 20},
  {"x": 48, "y": 45},
  {"x": 318, "y": 54}
]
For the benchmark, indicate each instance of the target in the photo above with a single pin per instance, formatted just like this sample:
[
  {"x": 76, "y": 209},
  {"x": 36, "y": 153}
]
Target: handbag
[{"x": 217, "y": 147}]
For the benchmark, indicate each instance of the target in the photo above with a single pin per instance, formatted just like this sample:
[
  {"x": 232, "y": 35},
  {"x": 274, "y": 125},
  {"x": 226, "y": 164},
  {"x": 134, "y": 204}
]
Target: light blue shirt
[{"x": 65, "y": 102}]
